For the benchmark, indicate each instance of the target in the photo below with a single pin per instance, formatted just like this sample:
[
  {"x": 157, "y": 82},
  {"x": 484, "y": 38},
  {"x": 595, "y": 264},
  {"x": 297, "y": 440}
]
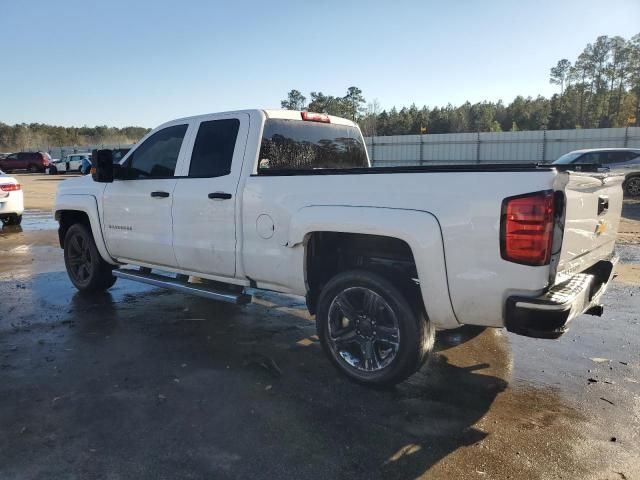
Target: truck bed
[{"x": 464, "y": 200}]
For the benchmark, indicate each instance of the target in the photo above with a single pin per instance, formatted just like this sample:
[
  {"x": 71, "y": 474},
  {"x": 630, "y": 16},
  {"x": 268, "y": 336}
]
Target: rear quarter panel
[{"x": 465, "y": 208}]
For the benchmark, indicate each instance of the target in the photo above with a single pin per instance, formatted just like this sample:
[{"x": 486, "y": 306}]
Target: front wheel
[
  {"x": 632, "y": 186},
  {"x": 85, "y": 267},
  {"x": 12, "y": 220},
  {"x": 370, "y": 330}
]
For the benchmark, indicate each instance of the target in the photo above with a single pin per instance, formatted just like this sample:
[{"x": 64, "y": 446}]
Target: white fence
[{"x": 489, "y": 147}]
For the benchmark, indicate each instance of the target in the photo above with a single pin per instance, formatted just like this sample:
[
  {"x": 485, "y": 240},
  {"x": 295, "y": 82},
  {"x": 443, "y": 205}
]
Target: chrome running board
[{"x": 181, "y": 285}]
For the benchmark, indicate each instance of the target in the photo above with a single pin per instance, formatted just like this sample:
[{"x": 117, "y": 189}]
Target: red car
[{"x": 31, "y": 161}]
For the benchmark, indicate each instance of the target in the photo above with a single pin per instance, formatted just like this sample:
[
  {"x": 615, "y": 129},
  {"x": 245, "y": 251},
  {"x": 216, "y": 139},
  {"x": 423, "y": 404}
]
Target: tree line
[
  {"x": 600, "y": 89},
  {"x": 38, "y": 135}
]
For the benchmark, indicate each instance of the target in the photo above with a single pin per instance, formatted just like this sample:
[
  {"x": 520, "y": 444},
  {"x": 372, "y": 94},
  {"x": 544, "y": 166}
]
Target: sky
[{"x": 143, "y": 62}]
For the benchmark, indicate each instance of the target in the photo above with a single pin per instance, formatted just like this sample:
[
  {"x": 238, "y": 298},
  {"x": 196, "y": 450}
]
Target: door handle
[
  {"x": 603, "y": 204},
  {"x": 160, "y": 194},
  {"x": 220, "y": 195}
]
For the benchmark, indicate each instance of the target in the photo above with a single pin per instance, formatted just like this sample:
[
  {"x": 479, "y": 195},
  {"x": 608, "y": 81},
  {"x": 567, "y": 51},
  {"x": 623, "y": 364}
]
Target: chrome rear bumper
[{"x": 547, "y": 316}]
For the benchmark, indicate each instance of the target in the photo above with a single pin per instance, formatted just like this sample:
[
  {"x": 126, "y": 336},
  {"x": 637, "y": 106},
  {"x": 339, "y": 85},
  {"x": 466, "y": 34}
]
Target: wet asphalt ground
[{"x": 149, "y": 384}]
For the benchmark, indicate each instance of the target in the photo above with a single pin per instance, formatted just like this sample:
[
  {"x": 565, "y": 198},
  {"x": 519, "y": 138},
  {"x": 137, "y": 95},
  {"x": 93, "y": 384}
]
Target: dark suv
[
  {"x": 31, "y": 161},
  {"x": 625, "y": 161}
]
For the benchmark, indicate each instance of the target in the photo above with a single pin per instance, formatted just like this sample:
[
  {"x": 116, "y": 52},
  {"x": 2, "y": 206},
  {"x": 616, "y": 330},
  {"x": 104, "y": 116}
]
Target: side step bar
[{"x": 181, "y": 285}]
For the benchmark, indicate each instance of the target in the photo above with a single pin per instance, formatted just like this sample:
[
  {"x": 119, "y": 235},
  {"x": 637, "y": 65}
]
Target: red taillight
[
  {"x": 526, "y": 231},
  {"x": 315, "y": 117},
  {"x": 10, "y": 187}
]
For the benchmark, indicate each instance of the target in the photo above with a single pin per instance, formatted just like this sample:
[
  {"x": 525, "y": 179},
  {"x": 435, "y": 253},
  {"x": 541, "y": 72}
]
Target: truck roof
[{"x": 277, "y": 113}]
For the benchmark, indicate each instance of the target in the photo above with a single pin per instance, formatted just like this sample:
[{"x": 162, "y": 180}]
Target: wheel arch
[
  {"x": 387, "y": 227},
  {"x": 81, "y": 209}
]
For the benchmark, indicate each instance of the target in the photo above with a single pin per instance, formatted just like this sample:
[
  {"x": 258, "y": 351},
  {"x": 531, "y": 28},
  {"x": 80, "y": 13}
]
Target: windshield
[
  {"x": 301, "y": 145},
  {"x": 567, "y": 158}
]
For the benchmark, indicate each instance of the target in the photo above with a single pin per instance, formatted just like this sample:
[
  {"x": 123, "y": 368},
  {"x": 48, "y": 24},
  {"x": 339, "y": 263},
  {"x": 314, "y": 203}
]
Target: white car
[
  {"x": 287, "y": 201},
  {"x": 11, "y": 200},
  {"x": 70, "y": 163}
]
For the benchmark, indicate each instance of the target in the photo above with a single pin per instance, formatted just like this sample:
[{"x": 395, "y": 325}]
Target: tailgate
[{"x": 593, "y": 202}]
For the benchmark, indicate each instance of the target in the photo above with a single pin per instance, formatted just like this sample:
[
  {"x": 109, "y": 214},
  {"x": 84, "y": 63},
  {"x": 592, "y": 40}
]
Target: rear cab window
[{"x": 303, "y": 145}]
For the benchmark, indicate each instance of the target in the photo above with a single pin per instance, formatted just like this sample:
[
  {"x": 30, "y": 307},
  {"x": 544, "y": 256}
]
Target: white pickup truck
[{"x": 287, "y": 201}]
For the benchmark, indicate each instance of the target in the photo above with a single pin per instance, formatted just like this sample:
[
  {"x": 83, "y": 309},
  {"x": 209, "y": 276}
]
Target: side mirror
[{"x": 102, "y": 166}]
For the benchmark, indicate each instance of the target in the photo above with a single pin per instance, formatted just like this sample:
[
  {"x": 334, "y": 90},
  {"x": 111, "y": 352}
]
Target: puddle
[
  {"x": 38, "y": 220},
  {"x": 628, "y": 253},
  {"x": 32, "y": 220}
]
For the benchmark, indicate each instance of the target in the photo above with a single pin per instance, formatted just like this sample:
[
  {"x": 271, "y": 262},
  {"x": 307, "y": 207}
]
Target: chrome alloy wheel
[
  {"x": 633, "y": 186},
  {"x": 363, "y": 330},
  {"x": 79, "y": 259}
]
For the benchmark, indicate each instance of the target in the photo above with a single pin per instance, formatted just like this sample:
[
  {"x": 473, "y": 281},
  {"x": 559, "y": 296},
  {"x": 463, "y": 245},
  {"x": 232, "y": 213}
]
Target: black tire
[
  {"x": 406, "y": 350},
  {"x": 632, "y": 186},
  {"x": 12, "y": 220},
  {"x": 53, "y": 170},
  {"x": 86, "y": 269}
]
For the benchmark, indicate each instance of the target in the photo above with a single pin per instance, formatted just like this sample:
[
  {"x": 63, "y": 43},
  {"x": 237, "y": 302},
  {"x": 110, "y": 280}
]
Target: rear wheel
[
  {"x": 632, "y": 186},
  {"x": 370, "y": 330},
  {"x": 85, "y": 267}
]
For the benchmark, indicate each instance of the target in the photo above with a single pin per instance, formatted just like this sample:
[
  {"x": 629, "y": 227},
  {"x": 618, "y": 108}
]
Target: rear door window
[
  {"x": 301, "y": 145},
  {"x": 213, "y": 148}
]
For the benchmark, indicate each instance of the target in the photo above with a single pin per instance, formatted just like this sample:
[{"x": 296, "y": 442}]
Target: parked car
[
  {"x": 31, "y": 161},
  {"x": 287, "y": 201},
  {"x": 70, "y": 163},
  {"x": 11, "y": 200},
  {"x": 625, "y": 161}
]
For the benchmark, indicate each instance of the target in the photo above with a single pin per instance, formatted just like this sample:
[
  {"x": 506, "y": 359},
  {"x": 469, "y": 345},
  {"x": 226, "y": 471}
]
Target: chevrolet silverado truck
[{"x": 287, "y": 201}]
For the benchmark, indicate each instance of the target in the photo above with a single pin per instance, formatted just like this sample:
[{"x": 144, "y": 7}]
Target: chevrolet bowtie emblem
[{"x": 601, "y": 227}]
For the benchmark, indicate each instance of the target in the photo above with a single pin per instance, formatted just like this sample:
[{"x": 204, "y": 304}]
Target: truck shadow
[{"x": 246, "y": 390}]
